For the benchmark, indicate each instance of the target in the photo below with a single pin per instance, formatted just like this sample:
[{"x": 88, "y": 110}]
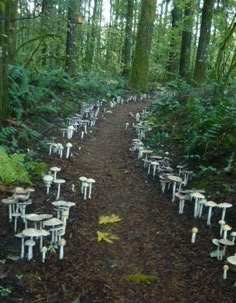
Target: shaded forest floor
[{"x": 153, "y": 238}]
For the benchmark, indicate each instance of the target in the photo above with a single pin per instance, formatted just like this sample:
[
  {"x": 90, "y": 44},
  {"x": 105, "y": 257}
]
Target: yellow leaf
[
  {"x": 105, "y": 236},
  {"x": 109, "y": 219}
]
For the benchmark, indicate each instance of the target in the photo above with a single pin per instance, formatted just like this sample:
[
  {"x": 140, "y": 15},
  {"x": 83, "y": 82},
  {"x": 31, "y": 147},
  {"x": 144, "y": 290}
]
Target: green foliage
[
  {"x": 17, "y": 168},
  {"x": 5, "y": 291},
  {"x": 140, "y": 278},
  {"x": 201, "y": 122}
]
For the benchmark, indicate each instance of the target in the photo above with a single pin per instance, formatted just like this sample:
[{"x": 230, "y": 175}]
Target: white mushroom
[
  {"x": 48, "y": 181},
  {"x": 70, "y": 131},
  {"x": 225, "y": 270},
  {"x": 225, "y": 243},
  {"x": 233, "y": 234},
  {"x": 22, "y": 237},
  {"x": 68, "y": 146},
  {"x": 85, "y": 189},
  {"x": 197, "y": 196},
  {"x": 60, "y": 149},
  {"x": 58, "y": 182},
  {"x": 222, "y": 223},
  {"x": 55, "y": 170},
  {"x": 44, "y": 251},
  {"x": 194, "y": 234},
  {"x": 210, "y": 204},
  {"x": 30, "y": 244},
  {"x": 90, "y": 181},
  {"x": 62, "y": 243},
  {"x": 226, "y": 228},
  {"x": 224, "y": 206},
  {"x": 83, "y": 180}
]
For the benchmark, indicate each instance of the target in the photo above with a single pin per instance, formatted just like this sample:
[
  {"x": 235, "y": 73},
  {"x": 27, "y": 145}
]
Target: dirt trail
[{"x": 153, "y": 238}]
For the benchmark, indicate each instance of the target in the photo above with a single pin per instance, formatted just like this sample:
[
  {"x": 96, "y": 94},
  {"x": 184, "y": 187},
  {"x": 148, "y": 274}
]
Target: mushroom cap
[
  {"x": 226, "y": 242},
  {"x": 226, "y": 267},
  {"x": 9, "y": 200},
  {"x": 82, "y": 179},
  {"x": 52, "y": 222},
  {"x": 33, "y": 217},
  {"x": 227, "y": 227},
  {"x": 194, "y": 230},
  {"x": 197, "y": 195},
  {"x": 221, "y": 222},
  {"x": 44, "y": 249},
  {"x": 55, "y": 169},
  {"x": 60, "y": 146},
  {"x": 30, "y": 243},
  {"x": 71, "y": 127},
  {"x": 59, "y": 181},
  {"x": 215, "y": 242},
  {"x": 20, "y": 190},
  {"x": 20, "y": 235},
  {"x": 90, "y": 180},
  {"x": 68, "y": 144},
  {"x": 62, "y": 242},
  {"x": 30, "y": 189},
  {"x": 63, "y": 203},
  {"x": 232, "y": 260},
  {"x": 48, "y": 178},
  {"x": 31, "y": 232},
  {"x": 174, "y": 178},
  {"x": 224, "y": 205},
  {"x": 211, "y": 203},
  {"x": 44, "y": 232},
  {"x": 65, "y": 213},
  {"x": 233, "y": 234}
]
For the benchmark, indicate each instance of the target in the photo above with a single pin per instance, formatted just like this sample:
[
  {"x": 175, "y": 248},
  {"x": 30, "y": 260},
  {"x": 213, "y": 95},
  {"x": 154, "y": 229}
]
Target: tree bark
[
  {"x": 185, "y": 53},
  {"x": 11, "y": 9},
  {"x": 4, "y": 100},
  {"x": 70, "y": 63},
  {"x": 176, "y": 16},
  {"x": 140, "y": 66},
  {"x": 128, "y": 37},
  {"x": 204, "y": 40}
]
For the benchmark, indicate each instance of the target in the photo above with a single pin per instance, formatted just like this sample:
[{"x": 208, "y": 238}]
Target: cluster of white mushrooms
[
  {"x": 47, "y": 231},
  {"x": 37, "y": 227},
  {"x": 176, "y": 180}
]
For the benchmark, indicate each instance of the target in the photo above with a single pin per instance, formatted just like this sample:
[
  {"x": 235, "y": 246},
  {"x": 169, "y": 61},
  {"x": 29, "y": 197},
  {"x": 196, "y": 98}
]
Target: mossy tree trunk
[
  {"x": 4, "y": 100},
  {"x": 128, "y": 37},
  {"x": 11, "y": 9},
  {"x": 203, "y": 43},
  {"x": 176, "y": 17},
  {"x": 70, "y": 63},
  {"x": 140, "y": 66},
  {"x": 185, "y": 53}
]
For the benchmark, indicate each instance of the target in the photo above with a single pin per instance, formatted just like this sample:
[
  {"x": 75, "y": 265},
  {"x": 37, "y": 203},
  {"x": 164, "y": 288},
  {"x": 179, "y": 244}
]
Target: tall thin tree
[{"x": 140, "y": 66}]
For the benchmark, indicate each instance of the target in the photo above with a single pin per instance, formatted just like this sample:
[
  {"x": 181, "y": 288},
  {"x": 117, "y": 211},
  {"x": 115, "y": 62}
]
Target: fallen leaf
[
  {"x": 109, "y": 219},
  {"x": 105, "y": 236}
]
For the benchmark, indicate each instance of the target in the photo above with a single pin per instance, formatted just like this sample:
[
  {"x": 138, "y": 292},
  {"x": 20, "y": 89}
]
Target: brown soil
[{"x": 153, "y": 238}]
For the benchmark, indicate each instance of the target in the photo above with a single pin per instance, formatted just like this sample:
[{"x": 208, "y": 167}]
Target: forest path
[{"x": 153, "y": 238}]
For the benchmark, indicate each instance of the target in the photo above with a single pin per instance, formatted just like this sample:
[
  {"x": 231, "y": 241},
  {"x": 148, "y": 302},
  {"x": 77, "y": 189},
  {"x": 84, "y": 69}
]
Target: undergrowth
[{"x": 201, "y": 125}]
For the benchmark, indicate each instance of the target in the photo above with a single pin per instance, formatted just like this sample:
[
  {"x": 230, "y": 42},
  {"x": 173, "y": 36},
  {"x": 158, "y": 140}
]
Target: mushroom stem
[
  {"x": 90, "y": 190},
  {"x": 194, "y": 234},
  {"x": 22, "y": 254},
  {"x": 82, "y": 134},
  {"x": 61, "y": 252},
  {"x": 58, "y": 191},
  {"x": 209, "y": 215},
  {"x": 225, "y": 268},
  {"x": 223, "y": 214},
  {"x": 67, "y": 152},
  {"x": 85, "y": 192}
]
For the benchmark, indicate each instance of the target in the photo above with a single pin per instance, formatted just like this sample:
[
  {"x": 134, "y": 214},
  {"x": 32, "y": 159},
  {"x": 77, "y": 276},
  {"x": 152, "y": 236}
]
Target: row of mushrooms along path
[{"x": 153, "y": 239}]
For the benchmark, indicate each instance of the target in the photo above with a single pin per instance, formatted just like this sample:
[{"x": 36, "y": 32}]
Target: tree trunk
[
  {"x": 4, "y": 101},
  {"x": 185, "y": 53},
  {"x": 203, "y": 43},
  {"x": 11, "y": 10},
  {"x": 176, "y": 16},
  {"x": 128, "y": 37},
  {"x": 70, "y": 63},
  {"x": 140, "y": 66}
]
